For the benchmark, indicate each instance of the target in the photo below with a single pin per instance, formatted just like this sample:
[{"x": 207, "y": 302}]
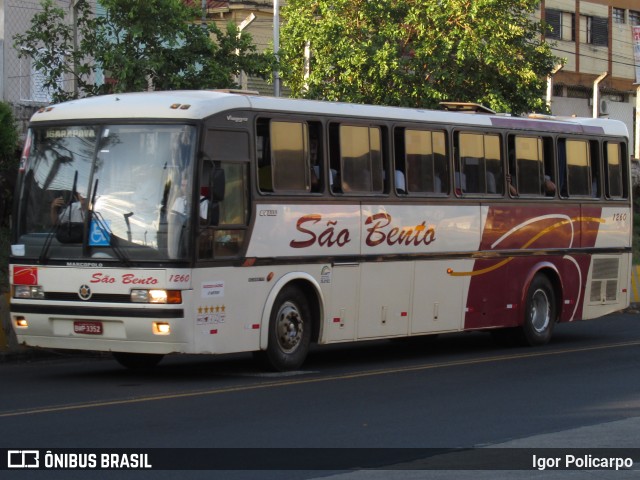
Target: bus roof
[{"x": 200, "y": 104}]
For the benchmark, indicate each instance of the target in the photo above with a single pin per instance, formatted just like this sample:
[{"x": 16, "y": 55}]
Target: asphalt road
[{"x": 381, "y": 400}]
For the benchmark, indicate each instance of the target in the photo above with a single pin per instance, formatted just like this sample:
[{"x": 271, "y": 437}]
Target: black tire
[
  {"x": 540, "y": 312},
  {"x": 289, "y": 331},
  {"x": 137, "y": 361}
]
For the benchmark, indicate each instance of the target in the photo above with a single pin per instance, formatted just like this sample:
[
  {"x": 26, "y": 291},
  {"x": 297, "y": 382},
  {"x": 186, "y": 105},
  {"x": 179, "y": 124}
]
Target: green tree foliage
[
  {"x": 417, "y": 52},
  {"x": 137, "y": 45},
  {"x": 8, "y": 140},
  {"x": 49, "y": 42},
  {"x": 9, "y": 159}
]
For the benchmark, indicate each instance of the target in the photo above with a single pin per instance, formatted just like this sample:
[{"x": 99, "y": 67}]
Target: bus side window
[
  {"x": 529, "y": 165},
  {"x": 614, "y": 173},
  {"x": 480, "y": 164},
  {"x": 425, "y": 162},
  {"x": 578, "y": 168},
  {"x": 562, "y": 167},
  {"x": 316, "y": 164},
  {"x": 493, "y": 164},
  {"x": 549, "y": 186},
  {"x": 595, "y": 189},
  {"x": 356, "y": 159},
  {"x": 290, "y": 168},
  {"x": 335, "y": 184},
  {"x": 263, "y": 156},
  {"x": 400, "y": 160}
]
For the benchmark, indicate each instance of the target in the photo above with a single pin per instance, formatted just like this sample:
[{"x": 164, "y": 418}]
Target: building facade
[{"x": 595, "y": 38}]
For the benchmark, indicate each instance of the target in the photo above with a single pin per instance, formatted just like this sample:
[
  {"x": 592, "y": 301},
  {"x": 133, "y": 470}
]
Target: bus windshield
[{"x": 108, "y": 191}]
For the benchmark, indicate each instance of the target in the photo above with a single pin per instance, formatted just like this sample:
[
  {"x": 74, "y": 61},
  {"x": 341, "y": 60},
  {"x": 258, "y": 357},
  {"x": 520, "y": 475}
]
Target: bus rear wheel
[
  {"x": 137, "y": 361},
  {"x": 289, "y": 330},
  {"x": 540, "y": 312}
]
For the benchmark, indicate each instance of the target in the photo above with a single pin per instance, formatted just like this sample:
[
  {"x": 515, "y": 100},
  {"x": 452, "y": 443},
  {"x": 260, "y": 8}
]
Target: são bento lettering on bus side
[{"x": 316, "y": 230}]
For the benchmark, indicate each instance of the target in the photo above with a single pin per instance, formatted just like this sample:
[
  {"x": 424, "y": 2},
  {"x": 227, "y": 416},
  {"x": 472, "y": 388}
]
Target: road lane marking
[{"x": 304, "y": 381}]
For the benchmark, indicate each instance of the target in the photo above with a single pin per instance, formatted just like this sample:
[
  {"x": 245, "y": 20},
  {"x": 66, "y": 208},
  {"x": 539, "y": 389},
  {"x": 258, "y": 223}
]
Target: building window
[
  {"x": 618, "y": 15},
  {"x": 634, "y": 17},
  {"x": 562, "y": 25},
  {"x": 594, "y": 30}
]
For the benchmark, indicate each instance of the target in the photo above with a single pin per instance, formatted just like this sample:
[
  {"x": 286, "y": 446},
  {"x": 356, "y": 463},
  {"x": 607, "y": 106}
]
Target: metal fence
[{"x": 22, "y": 85}]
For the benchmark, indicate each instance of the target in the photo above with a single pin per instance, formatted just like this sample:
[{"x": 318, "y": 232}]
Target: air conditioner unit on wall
[{"x": 604, "y": 107}]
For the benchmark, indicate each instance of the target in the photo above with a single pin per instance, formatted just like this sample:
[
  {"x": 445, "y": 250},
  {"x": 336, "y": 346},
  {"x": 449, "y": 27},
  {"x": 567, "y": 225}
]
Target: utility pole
[
  {"x": 73, "y": 4},
  {"x": 276, "y": 45}
]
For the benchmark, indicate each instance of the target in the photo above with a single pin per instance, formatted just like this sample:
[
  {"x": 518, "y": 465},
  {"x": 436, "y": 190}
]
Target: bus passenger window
[
  {"x": 480, "y": 164},
  {"x": 529, "y": 165},
  {"x": 493, "y": 164},
  {"x": 289, "y": 157},
  {"x": 614, "y": 172},
  {"x": 578, "y": 168},
  {"x": 356, "y": 159},
  {"x": 423, "y": 161},
  {"x": 263, "y": 157},
  {"x": 316, "y": 168},
  {"x": 595, "y": 189}
]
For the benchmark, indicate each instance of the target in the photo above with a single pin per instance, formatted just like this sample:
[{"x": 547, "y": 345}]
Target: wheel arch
[
  {"x": 312, "y": 292},
  {"x": 550, "y": 271}
]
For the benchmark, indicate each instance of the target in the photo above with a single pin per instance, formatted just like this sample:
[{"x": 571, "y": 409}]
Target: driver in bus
[
  {"x": 61, "y": 212},
  {"x": 181, "y": 203}
]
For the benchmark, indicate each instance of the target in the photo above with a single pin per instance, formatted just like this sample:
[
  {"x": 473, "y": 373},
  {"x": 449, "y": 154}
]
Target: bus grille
[
  {"x": 604, "y": 280},
  {"x": 98, "y": 297}
]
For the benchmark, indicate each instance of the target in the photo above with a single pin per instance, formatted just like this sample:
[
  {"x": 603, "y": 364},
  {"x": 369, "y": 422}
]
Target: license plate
[{"x": 88, "y": 328}]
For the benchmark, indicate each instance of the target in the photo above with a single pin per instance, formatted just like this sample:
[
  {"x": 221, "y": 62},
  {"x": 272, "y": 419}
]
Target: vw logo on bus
[{"x": 84, "y": 292}]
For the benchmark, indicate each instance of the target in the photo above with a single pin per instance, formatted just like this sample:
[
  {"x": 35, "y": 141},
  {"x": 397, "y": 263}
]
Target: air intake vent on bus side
[{"x": 604, "y": 280}]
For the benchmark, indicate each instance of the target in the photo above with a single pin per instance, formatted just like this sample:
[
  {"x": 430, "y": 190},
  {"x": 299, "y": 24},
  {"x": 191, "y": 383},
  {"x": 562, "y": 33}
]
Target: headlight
[
  {"x": 28, "y": 291},
  {"x": 156, "y": 296}
]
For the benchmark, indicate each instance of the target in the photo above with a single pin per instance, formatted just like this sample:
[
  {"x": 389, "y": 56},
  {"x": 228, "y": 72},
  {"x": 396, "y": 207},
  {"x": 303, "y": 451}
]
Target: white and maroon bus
[{"x": 209, "y": 222}]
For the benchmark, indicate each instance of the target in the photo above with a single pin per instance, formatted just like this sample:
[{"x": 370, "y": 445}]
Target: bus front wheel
[
  {"x": 540, "y": 312},
  {"x": 289, "y": 330}
]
